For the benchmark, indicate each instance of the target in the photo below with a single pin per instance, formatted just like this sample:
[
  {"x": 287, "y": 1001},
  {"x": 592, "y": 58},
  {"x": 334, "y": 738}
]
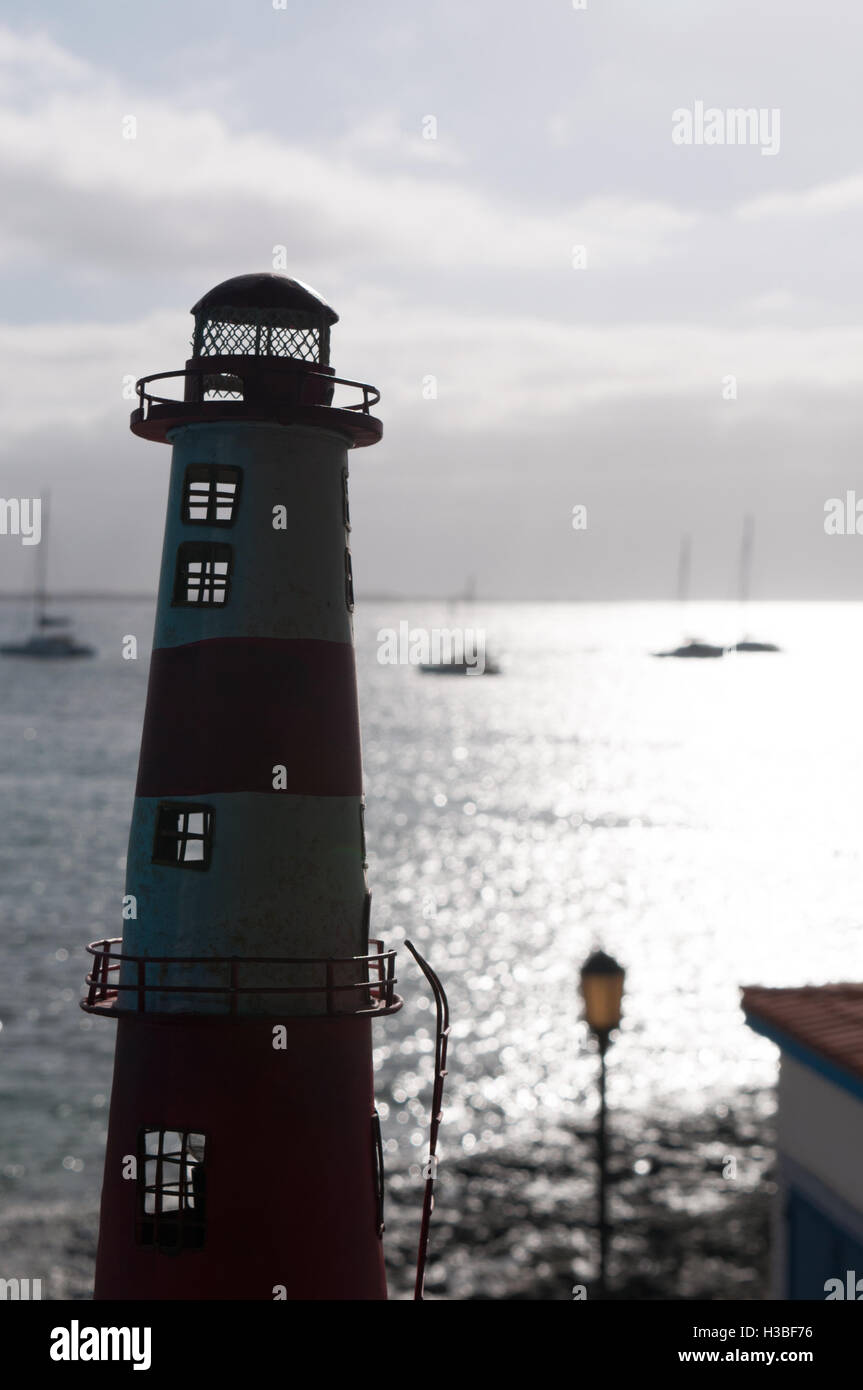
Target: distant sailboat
[
  {"x": 469, "y": 594},
  {"x": 51, "y": 635},
  {"x": 744, "y": 582},
  {"x": 692, "y": 647},
  {"x": 461, "y": 668}
]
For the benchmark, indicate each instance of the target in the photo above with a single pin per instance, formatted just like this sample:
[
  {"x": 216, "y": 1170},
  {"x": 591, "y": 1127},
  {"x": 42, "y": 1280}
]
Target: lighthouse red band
[{"x": 244, "y": 1154}]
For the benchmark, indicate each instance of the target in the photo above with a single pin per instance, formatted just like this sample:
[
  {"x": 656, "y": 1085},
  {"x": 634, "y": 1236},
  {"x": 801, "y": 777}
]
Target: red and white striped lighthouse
[{"x": 244, "y": 1155}]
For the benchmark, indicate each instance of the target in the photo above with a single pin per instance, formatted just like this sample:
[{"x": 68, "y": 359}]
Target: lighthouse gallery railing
[
  {"x": 310, "y": 387},
  {"x": 377, "y": 970}
]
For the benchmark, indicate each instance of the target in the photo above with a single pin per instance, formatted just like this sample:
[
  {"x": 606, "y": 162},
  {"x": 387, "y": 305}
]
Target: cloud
[
  {"x": 382, "y": 135},
  {"x": 823, "y": 200},
  {"x": 553, "y": 385},
  {"x": 33, "y": 63},
  {"x": 499, "y": 369},
  {"x": 771, "y": 302},
  {"x": 75, "y": 373},
  {"x": 189, "y": 189},
  {"x": 492, "y": 370}
]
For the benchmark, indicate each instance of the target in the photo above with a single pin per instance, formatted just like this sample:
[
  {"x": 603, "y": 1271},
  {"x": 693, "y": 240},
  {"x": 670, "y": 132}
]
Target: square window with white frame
[
  {"x": 211, "y": 494},
  {"x": 203, "y": 574},
  {"x": 171, "y": 1209},
  {"x": 184, "y": 835}
]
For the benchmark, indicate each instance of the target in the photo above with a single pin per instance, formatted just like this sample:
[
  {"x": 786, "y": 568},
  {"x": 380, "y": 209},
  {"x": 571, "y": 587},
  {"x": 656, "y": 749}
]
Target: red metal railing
[
  {"x": 442, "y": 1032},
  {"x": 377, "y": 969},
  {"x": 308, "y": 387}
]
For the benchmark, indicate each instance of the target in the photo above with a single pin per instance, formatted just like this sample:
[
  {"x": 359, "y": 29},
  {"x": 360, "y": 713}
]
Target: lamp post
[{"x": 602, "y": 992}]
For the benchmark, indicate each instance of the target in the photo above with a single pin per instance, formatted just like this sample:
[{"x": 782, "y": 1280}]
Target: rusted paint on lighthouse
[{"x": 243, "y": 1157}]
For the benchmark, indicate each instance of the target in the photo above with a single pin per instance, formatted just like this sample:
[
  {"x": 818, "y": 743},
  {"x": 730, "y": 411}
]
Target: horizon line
[{"x": 113, "y": 596}]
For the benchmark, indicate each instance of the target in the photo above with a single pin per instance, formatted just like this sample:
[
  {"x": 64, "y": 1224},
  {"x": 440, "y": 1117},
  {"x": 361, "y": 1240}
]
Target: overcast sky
[{"x": 453, "y": 257}]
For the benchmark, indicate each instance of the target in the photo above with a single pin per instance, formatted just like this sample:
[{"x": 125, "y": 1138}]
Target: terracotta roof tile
[{"x": 828, "y": 1019}]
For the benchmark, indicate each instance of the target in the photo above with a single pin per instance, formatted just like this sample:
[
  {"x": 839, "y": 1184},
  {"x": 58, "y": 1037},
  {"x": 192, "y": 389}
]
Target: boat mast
[
  {"x": 684, "y": 567},
  {"x": 744, "y": 579},
  {"x": 40, "y": 596}
]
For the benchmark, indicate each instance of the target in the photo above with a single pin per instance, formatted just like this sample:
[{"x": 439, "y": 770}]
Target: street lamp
[{"x": 602, "y": 991}]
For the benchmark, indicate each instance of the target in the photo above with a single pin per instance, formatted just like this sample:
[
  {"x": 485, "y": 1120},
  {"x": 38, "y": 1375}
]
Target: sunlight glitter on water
[{"x": 697, "y": 819}]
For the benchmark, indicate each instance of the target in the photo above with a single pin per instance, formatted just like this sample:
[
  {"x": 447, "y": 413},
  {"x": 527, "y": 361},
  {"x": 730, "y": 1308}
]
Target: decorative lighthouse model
[{"x": 244, "y": 1154}]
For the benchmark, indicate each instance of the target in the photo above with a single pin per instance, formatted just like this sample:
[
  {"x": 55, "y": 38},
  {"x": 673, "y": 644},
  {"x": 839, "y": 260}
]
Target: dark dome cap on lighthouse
[{"x": 266, "y": 290}]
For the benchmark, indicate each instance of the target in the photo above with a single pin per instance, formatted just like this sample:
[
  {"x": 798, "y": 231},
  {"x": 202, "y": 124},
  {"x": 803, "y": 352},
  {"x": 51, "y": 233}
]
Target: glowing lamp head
[{"x": 602, "y": 991}]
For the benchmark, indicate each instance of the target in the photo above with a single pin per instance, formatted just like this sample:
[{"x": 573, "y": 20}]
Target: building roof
[
  {"x": 814, "y": 1023},
  {"x": 266, "y": 290}
]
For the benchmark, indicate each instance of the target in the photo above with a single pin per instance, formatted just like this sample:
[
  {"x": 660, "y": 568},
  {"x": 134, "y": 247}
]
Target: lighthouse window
[
  {"x": 346, "y": 509},
  {"x": 349, "y": 581},
  {"x": 171, "y": 1189},
  {"x": 203, "y": 573},
  {"x": 263, "y": 336},
  {"x": 210, "y": 495},
  {"x": 184, "y": 835}
]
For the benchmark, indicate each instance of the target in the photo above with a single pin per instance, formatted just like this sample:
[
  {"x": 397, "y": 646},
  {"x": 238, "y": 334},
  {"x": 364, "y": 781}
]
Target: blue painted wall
[{"x": 818, "y": 1250}]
